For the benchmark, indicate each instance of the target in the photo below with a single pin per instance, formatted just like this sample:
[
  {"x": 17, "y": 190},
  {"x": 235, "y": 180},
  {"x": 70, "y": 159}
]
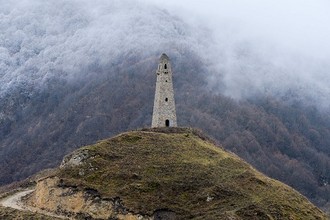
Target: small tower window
[
  {"x": 167, "y": 123},
  {"x": 166, "y": 99},
  {"x": 165, "y": 66}
]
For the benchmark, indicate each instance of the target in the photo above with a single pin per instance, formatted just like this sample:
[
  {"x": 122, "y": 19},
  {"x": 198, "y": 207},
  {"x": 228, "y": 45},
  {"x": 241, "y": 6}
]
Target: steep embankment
[{"x": 165, "y": 174}]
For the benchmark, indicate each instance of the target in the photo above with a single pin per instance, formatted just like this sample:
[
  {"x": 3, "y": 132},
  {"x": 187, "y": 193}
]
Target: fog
[
  {"x": 250, "y": 49},
  {"x": 267, "y": 47}
]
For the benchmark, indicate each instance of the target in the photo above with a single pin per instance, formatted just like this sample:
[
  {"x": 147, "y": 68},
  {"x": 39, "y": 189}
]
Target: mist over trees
[
  {"x": 287, "y": 142},
  {"x": 249, "y": 50},
  {"x": 73, "y": 73}
]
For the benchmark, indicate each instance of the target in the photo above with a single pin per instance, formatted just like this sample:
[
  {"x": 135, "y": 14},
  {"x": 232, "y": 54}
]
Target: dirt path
[{"x": 15, "y": 201}]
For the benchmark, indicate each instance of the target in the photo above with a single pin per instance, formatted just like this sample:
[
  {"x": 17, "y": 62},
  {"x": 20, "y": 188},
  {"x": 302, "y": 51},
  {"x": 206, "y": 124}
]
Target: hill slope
[
  {"x": 13, "y": 214},
  {"x": 165, "y": 173}
]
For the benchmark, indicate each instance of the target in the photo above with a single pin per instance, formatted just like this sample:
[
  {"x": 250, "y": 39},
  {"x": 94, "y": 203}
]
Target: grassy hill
[{"x": 181, "y": 171}]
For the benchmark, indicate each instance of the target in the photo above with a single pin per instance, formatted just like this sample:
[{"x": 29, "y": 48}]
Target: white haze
[{"x": 251, "y": 48}]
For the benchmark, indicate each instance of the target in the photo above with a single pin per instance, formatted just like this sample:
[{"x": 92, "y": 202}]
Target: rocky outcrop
[
  {"x": 74, "y": 159},
  {"x": 52, "y": 196}
]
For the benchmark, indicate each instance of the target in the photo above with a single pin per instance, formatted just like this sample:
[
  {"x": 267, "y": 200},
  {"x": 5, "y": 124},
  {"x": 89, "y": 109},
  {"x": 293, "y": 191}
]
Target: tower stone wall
[{"x": 164, "y": 114}]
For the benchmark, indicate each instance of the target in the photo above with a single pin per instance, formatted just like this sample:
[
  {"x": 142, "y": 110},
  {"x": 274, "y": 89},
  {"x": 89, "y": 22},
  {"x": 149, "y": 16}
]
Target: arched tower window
[
  {"x": 167, "y": 123},
  {"x": 166, "y": 99},
  {"x": 165, "y": 66}
]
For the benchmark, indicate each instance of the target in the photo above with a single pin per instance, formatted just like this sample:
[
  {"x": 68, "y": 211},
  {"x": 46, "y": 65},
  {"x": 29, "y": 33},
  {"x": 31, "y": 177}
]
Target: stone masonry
[{"x": 164, "y": 114}]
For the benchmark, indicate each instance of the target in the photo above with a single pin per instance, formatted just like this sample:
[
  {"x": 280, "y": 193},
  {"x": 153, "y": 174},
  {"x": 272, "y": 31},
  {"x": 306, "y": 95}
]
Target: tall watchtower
[{"x": 164, "y": 114}]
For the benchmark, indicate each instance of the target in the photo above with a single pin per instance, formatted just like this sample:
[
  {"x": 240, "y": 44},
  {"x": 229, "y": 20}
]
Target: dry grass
[
  {"x": 181, "y": 170},
  {"x": 13, "y": 214}
]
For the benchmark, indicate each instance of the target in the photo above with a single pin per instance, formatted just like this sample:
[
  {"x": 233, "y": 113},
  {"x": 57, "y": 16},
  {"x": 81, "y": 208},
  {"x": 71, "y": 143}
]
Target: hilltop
[{"x": 175, "y": 173}]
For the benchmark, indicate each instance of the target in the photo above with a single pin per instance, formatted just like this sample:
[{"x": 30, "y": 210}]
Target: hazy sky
[
  {"x": 292, "y": 23},
  {"x": 266, "y": 46},
  {"x": 250, "y": 48}
]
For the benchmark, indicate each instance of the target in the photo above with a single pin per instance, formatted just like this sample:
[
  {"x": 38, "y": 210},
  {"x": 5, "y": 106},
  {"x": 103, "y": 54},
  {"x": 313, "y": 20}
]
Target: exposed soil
[{"x": 15, "y": 201}]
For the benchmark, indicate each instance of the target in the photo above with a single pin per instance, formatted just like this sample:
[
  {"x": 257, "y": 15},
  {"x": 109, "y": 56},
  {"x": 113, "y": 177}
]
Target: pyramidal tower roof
[{"x": 164, "y": 57}]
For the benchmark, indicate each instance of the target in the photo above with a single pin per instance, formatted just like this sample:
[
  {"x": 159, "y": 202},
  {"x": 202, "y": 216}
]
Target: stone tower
[{"x": 164, "y": 114}]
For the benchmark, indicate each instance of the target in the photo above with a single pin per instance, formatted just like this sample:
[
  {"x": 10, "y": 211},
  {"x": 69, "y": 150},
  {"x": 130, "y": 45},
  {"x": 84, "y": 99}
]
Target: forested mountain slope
[{"x": 286, "y": 141}]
